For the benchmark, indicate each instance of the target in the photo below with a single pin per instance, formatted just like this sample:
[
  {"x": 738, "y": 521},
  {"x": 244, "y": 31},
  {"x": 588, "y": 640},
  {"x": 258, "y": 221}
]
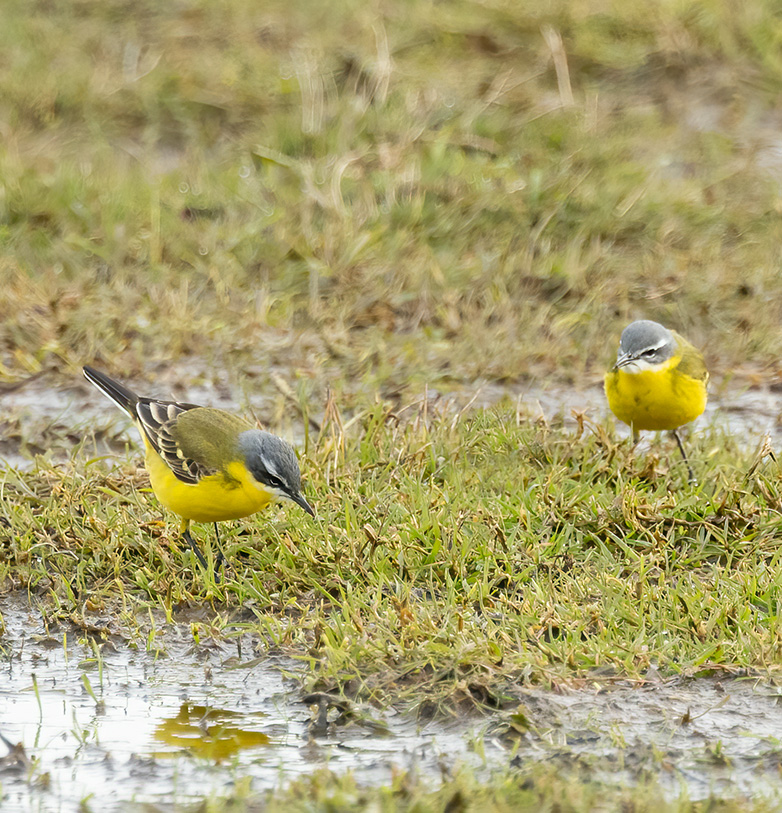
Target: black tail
[{"x": 122, "y": 396}]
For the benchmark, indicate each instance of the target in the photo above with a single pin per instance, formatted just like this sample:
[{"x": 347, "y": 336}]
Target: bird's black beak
[
  {"x": 299, "y": 500},
  {"x": 623, "y": 361}
]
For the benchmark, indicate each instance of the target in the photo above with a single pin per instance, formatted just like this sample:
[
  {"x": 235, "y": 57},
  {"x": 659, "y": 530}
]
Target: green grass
[
  {"x": 541, "y": 789},
  {"x": 454, "y": 559}
]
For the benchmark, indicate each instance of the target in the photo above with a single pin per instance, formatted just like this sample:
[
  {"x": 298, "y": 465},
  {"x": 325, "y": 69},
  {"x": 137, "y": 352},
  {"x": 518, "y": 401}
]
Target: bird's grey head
[
  {"x": 272, "y": 462},
  {"x": 644, "y": 344}
]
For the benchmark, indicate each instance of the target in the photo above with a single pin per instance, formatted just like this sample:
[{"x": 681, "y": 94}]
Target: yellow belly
[
  {"x": 212, "y": 499},
  {"x": 652, "y": 399}
]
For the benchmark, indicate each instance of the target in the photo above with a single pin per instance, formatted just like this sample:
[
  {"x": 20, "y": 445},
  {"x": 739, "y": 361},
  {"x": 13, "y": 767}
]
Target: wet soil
[{"x": 709, "y": 736}]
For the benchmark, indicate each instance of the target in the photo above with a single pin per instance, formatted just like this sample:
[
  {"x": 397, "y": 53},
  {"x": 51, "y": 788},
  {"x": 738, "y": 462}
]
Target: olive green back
[
  {"x": 692, "y": 363},
  {"x": 209, "y": 436}
]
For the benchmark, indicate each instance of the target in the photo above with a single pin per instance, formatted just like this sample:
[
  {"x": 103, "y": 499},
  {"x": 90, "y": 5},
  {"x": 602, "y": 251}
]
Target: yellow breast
[
  {"x": 662, "y": 398},
  {"x": 226, "y": 495}
]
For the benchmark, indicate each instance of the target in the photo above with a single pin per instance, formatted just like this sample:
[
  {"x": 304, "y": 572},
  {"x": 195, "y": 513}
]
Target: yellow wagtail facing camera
[
  {"x": 658, "y": 382},
  {"x": 205, "y": 464}
]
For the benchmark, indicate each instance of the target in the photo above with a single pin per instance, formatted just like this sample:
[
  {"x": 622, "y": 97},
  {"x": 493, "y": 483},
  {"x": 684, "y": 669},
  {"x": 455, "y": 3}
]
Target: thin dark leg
[
  {"x": 690, "y": 474},
  {"x": 194, "y": 547},
  {"x": 221, "y": 560}
]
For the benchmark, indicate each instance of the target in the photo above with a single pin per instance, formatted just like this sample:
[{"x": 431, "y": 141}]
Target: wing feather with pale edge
[{"x": 157, "y": 419}]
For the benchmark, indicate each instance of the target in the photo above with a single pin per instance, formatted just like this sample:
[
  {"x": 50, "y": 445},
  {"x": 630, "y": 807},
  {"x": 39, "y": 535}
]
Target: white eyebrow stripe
[
  {"x": 655, "y": 347},
  {"x": 270, "y": 467}
]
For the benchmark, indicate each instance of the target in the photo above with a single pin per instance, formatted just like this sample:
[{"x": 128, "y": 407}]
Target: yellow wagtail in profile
[
  {"x": 205, "y": 464},
  {"x": 658, "y": 382}
]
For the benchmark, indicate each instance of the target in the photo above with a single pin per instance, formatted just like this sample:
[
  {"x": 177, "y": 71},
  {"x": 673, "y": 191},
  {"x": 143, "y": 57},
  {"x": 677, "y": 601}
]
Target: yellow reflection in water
[{"x": 208, "y": 733}]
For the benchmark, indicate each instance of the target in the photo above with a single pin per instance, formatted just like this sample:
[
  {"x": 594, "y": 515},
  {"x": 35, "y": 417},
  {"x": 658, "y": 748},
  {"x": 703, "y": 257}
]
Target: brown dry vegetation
[{"x": 386, "y": 194}]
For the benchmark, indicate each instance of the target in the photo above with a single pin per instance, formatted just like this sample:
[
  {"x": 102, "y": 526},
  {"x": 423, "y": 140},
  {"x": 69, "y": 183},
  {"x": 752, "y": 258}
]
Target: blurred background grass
[{"x": 387, "y": 193}]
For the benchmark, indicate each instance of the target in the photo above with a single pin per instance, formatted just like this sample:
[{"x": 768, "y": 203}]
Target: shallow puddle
[
  {"x": 111, "y": 726},
  {"x": 102, "y": 726}
]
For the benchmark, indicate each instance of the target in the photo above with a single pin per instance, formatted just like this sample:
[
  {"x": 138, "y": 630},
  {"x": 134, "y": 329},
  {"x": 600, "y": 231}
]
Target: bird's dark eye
[
  {"x": 649, "y": 353},
  {"x": 263, "y": 475}
]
